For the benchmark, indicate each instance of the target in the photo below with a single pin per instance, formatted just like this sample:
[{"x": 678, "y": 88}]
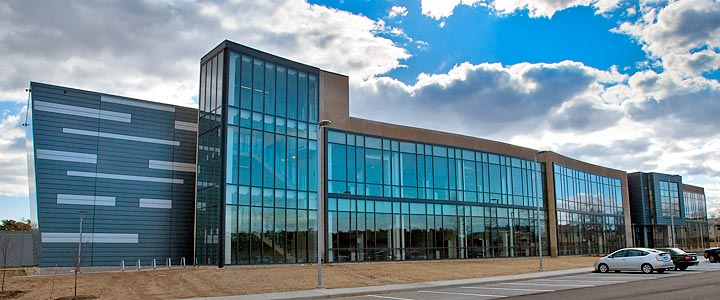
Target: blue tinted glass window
[
  {"x": 234, "y": 79},
  {"x": 280, "y": 125},
  {"x": 336, "y": 137},
  {"x": 313, "y": 165},
  {"x": 373, "y": 166},
  {"x": 313, "y": 98},
  {"x": 281, "y": 92},
  {"x": 337, "y": 161},
  {"x": 269, "y": 88},
  {"x": 280, "y": 161},
  {"x": 244, "y": 146},
  {"x": 302, "y": 164},
  {"x": 408, "y": 165},
  {"x": 292, "y": 158},
  {"x": 292, "y": 94},
  {"x": 233, "y": 116},
  {"x": 246, "y": 83},
  {"x": 268, "y": 160},
  {"x": 257, "y": 154},
  {"x": 303, "y": 107},
  {"x": 258, "y": 85},
  {"x": 233, "y": 150}
]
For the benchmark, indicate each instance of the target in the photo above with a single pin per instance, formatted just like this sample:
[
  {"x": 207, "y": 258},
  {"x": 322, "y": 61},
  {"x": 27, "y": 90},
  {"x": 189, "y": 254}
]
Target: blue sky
[{"x": 631, "y": 85}]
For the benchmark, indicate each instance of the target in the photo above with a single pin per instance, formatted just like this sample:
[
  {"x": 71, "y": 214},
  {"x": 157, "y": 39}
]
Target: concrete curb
[{"x": 356, "y": 291}]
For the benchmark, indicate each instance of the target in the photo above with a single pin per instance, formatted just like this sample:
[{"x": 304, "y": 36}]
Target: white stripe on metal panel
[
  {"x": 73, "y": 237},
  {"x": 82, "y": 111},
  {"x": 85, "y": 200},
  {"x": 171, "y": 165},
  {"x": 138, "y": 103},
  {"x": 121, "y": 136},
  {"x": 67, "y": 156},
  {"x": 155, "y": 203},
  {"x": 186, "y": 126},
  {"x": 124, "y": 177}
]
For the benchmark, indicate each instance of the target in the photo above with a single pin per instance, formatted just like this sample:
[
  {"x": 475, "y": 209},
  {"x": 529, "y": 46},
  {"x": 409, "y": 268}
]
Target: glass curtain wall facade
[
  {"x": 209, "y": 160},
  {"x": 693, "y": 235},
  {"x": 270, "y": 163},
  {"x": 590, "y": 217},
  {"x": 397, "y": 200}
]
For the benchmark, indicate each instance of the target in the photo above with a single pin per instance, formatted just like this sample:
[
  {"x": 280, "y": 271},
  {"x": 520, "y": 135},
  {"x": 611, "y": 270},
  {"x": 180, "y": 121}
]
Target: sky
[{"x": 631, "y": 85}]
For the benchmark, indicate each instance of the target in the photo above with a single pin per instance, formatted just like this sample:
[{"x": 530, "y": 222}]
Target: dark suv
[
  {"x": 681, "y": 259},
  {"x": 713, "y": 254}
]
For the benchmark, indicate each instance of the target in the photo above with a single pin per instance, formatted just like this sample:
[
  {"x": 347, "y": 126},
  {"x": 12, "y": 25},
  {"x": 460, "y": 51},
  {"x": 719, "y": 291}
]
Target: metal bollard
[
  {"x": 169, "y": 263},
  {"x": 182, "y": 262},
  {"x": 122, "y": 266},
  {"x": 138, "y": 265},
  {"x": 154, "y": 266}
]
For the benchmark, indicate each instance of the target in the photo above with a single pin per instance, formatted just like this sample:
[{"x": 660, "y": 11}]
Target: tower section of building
[{"x": 257, "y": 159}]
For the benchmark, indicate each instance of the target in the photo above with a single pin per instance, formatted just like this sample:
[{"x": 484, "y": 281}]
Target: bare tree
[{"x": 6, "y": 247}]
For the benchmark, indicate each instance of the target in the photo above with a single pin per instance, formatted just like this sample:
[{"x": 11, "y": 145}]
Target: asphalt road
[{"x": 697, "y": 283}]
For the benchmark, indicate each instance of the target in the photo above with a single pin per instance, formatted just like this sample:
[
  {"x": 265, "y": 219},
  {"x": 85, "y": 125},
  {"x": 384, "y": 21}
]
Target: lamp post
[
  {"x": 79, "y": 251},
  {"x": 672, "y": 223},
  {"x": 538, "y": 204},
  {"x": 321, "y": 198}
]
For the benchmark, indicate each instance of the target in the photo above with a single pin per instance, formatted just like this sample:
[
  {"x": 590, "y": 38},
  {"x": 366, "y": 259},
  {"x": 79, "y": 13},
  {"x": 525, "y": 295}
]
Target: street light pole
[
  {"x": 538, "y": 204},
  {"x": 321, "y": 198},
  {"x": 79, "y": 251},
  {"x": 672, "y": 224}
]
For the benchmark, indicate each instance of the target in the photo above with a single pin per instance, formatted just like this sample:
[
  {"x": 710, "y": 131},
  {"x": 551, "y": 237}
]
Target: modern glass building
[
  {"x": 390, "y": 199},
  {"x": 695, "y": 232},
  {"x": 257, "y": 159},
  {"x": 664, "y": 208},
  {"x": 590, "y": 212},
  {"x": 269, "y": 180},
  {"x": 389, "y": 192}
]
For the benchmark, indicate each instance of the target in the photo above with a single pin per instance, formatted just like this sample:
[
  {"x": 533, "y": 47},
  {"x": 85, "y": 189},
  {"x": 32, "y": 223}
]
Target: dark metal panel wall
[{"x": 129, "y": 164}]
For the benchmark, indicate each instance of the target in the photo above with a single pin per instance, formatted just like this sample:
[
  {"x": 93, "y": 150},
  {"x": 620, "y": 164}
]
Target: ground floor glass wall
[
  {"x": 589, "y": 234},
  {"x": 690, "y": 236},
  {"x": 366, "y": 230}
]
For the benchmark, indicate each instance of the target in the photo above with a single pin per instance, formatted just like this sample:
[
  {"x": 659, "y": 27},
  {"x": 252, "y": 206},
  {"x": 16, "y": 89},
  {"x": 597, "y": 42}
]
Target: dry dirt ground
[{"x": 236, "y": 280}]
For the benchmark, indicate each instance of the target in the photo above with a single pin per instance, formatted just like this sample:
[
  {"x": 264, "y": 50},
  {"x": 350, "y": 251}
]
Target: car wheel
[
  {"x": 683, "y": 268},
  {"x": 660, "y": 271},
  {"x": 603, "y": 268},
  {"x": 712, "y": 258},
  {"x": 646, "y": 268}
]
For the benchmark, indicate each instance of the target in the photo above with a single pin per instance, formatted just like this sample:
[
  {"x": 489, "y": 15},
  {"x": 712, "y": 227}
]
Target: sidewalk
[{"x": 346, "y": 292}]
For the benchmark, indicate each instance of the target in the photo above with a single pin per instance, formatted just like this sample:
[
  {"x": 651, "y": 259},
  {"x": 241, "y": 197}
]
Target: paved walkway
[{"x": 345, "y": 292}]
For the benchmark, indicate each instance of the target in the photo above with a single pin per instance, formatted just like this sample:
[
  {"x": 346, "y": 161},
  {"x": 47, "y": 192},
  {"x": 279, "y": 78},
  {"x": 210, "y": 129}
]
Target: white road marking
[
  {"x": 547, "y": 284},
  {"x": 579, "y": 281},
  {"x": 386, "y": 297},
  {"x": 463, "y": 294},
  {"x": 504, "y": 289},
  {"x": 615, "y": 277}
]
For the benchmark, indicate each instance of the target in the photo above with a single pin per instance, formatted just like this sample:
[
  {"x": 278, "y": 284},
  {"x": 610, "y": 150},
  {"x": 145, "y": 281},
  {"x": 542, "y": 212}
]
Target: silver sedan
[{"x": 635, "y": 259}]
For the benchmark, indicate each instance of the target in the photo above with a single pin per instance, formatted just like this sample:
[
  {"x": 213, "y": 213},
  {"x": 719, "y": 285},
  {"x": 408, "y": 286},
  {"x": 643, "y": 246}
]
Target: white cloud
[
  {"x": 151, "y": 50},
  {"x": 684, "y": 35},
  {"x": 547, "y": 8},
  {"x": 13, "y": 178},
  {"x": 397, "y": 11},
  {"x": 438, "y": 9},
  {"x": 492, "y": 100}
]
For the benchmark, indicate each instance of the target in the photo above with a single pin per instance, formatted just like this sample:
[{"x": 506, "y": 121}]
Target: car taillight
[{"x": 688, "y": 257}]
